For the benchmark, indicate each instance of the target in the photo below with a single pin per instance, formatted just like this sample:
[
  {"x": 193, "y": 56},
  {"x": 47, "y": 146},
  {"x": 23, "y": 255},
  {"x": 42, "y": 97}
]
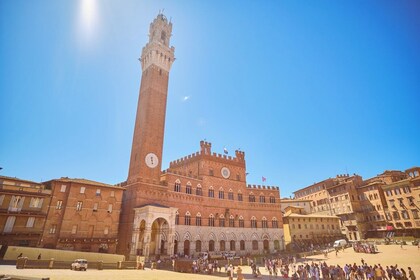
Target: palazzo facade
[{"x": 202, "y": 202}]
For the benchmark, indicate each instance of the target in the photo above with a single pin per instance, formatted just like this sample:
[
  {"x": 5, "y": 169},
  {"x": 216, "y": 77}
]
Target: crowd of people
[{"x": 365, "y": 248}]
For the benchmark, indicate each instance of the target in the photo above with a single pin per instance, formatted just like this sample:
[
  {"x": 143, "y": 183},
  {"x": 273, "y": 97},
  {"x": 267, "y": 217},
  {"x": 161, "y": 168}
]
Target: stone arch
[
  {"x": 212, "y": 236},
  {"x": 188, "y": 183},
  {"x": 198, "y": 237},
  {"x": 221, "y": 189},
  {"x": 232, "y": 236},
  {"x": 187, "y": 236},
  {"x": 177, "y": 181},
  {"x": 255, "y": 236},
  {"x": 242, "y": 236},
  {"x": 176, "y": 236},
  {"x": 222, "y": 236},
  {"x": 265, "y": 236}
]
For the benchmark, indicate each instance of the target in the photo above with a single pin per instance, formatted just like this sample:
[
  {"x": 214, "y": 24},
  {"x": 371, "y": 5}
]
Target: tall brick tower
[
  {"x": 146, "y": 152},
  {"x": 156, "y": 60}
]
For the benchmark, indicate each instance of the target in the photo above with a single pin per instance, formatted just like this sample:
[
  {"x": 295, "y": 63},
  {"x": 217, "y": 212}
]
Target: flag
[
  {"x": 225, "y": 150},
  {"x": 246, "y": 174},
  {"x": 264, "y": 179}
]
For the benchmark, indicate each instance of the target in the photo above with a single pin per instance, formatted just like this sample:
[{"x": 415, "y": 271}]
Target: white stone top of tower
[{"x": 157, "y": 50}]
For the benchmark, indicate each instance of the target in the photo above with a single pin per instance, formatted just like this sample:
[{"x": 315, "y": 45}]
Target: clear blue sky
[{"x": 308, "y": 89}]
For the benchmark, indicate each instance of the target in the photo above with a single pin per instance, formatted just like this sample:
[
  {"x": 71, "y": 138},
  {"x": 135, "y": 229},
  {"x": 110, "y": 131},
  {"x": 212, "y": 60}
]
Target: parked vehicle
[
  {"x": 340, "y": 243},
  {"x": 79, "y": 264}
]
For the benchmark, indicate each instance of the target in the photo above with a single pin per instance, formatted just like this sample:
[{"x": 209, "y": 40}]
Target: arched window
[
  {"x": 222, "y": 245},
  {"x": 177, "y": 186},
  {"x": 251, "y": 197},
  {"x": 254, "y": 245},
  {"x": 232, "y": 245},
  {"x": 274, "y": 223},
  {"x": 211, "y": 220},
  {"x": 276, "y": 245},
  {"x": 231, "y": 221},
  {"x": 241, "y": 222},
  {"x": 272, "y": 199},
  {"x": 211, "y": 192},
  {"x": 230, "y": 194},
  {"x": 253, "y": 222},
  {"x": 188, "y": 188},
  {"x": 199, "y": 190},
  {"x": 211, "y": 246},
  {"x": 240, "y": 197},
  {"x": 198, "y": 246},
  {"x": 177, "y": 218},
  {"x": 198, "y": 219},
  {"x": 262, "y": 198},
  {"x": 187, "y": 219},
  {"x": 242, "y": 245},
  {"x": 222, "y": 221},
  {"x": 264, "y": 223},
  {"x": 221, "y": 194}
]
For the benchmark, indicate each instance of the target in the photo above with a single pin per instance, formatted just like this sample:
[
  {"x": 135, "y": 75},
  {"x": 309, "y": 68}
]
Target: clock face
[
  {"x": 151, "y": 160},
  {"x": 225, "y": 172}
]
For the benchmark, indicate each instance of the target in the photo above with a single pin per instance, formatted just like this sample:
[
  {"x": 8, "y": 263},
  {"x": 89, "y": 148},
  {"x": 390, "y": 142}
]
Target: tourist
[{"x": 411, "y": 274}]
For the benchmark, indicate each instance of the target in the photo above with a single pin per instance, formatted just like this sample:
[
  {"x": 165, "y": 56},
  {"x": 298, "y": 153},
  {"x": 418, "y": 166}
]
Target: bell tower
[{"x": 156, "y": 61}]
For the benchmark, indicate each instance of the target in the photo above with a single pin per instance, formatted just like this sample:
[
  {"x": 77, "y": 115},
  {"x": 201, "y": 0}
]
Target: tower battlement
[
  {"x": 205, "y": 151},
  {"x": 262, "y": 187}
]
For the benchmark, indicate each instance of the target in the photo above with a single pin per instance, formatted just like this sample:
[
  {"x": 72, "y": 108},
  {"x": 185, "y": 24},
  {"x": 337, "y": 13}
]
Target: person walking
[
  {"x": 239, "y": 275},
  {"x": 411, "y": 274}
]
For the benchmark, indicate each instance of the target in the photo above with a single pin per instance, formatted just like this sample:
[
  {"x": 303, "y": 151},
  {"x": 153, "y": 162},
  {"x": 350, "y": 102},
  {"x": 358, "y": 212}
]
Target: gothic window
[
  {"x": 254, "y": 245},
  {"x": 221, "y": 194},
  {"x": 188, "y": 189},
  {"x": 198, "y": 219},
  {"x": 211, "y": 192},
  {"x": 253, "y": 222},
  {"x": 231, "y": 221},
  {"x": 59, "y": 205},
  {"x": 211, "y": 220},
  {"x": 211, "y": 246},
  {"x": 230, "y": 194},
  {"x": 177, "y": 186},
  {"x": 272, "y": 199},
  {"x": 177, "y": 218},
  {"x": 187, "y": 219},
  {"x": 222, "y": 245},
  {"x": 240, "y": 198},
  {"x": 262, "y": 199},
  {"x": 251, "y": 197},
  {"x": 199, "y": 190},
  {"x": 222, "y": 221},
  {"x": 264, "y": 223},
  {"x": 274, "y": 223},
  {"x": 198, "y": 245},
  {"x": 241, "y": 222},
  {"x": 232, "y": 245},
  {"x": 242, "y": 245},
  {"x": 163, "y": 36}
]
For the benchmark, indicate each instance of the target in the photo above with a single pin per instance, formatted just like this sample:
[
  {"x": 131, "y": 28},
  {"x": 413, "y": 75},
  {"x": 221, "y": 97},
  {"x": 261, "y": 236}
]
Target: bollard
[
  {"x": 100, "y": 265},
  {"x": 51, "y": 264}
]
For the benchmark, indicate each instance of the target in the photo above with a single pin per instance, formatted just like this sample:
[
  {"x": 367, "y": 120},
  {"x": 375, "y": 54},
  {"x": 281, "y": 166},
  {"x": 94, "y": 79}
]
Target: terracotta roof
[
  {"x": 309, "y": 216},
  {"x": 86, "y": 181},
  {"x": 17, "y": 179}
]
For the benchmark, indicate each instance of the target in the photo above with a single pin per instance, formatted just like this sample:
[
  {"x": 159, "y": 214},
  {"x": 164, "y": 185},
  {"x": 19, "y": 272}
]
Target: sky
[{"x": 308, "y": 89}]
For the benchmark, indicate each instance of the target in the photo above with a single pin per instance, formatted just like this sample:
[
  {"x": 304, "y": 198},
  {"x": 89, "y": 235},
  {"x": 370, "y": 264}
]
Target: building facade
[
  {"x": 381, "y": 206},
  {"x": 23, "y": 211},
  {"x": 303, "y": 231},
  {"x": 403, "y": 200},
  {"x": 201, "y": 202},
  {"x": 83, "y": 215}
]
